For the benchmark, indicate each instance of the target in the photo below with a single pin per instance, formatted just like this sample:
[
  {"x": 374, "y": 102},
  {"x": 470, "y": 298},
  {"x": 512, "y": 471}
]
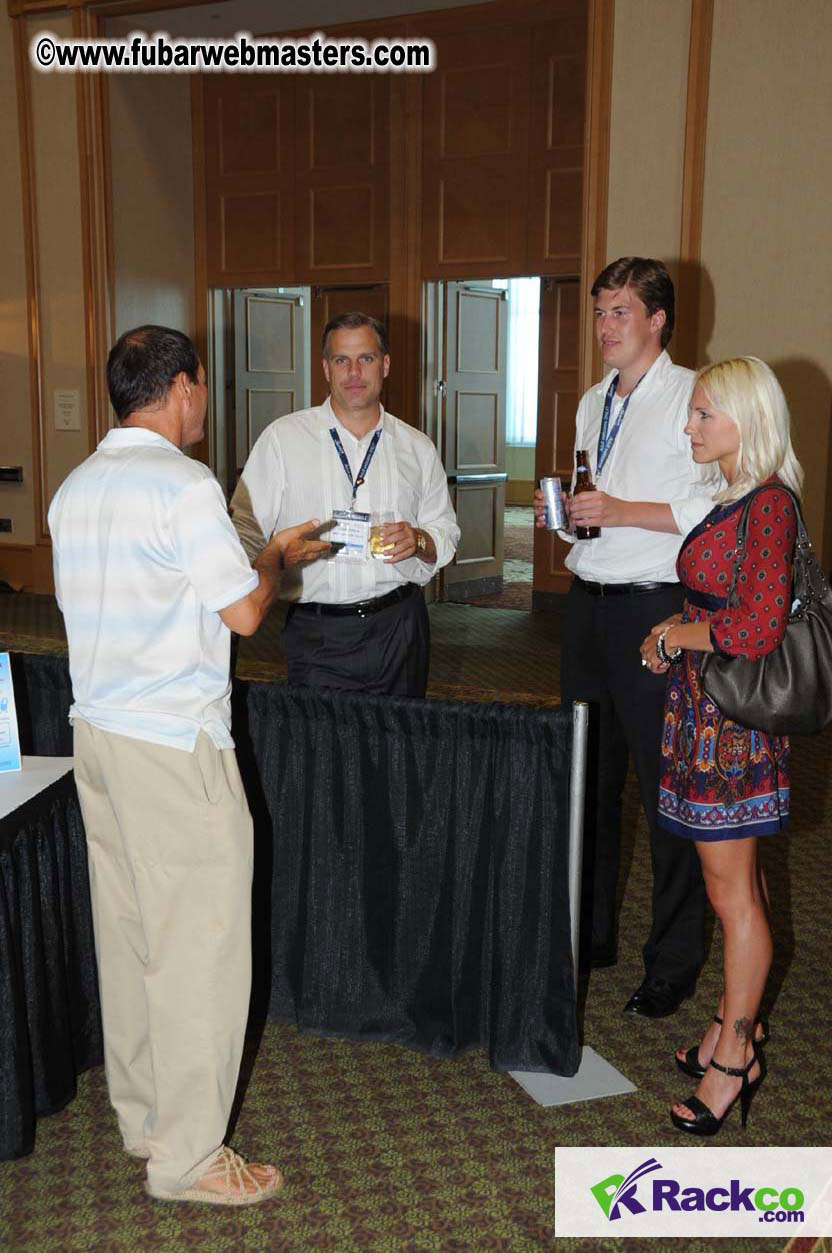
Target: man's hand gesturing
[{"x": 296, "y": 546}]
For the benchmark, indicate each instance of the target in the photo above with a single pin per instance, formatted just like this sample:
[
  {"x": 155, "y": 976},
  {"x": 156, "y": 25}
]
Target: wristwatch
[{"x": 421, "y": 541}]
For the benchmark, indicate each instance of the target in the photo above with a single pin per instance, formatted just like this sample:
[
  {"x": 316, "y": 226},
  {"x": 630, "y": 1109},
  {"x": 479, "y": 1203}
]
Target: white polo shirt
[
  {"x": 650, "y": 460},
  {"x": 145, "y": 556}
]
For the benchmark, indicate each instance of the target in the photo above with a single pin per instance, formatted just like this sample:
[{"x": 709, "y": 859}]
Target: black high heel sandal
[
  {"x": 705, "y": 1121},
  {"x": 690, "y": 1063}
]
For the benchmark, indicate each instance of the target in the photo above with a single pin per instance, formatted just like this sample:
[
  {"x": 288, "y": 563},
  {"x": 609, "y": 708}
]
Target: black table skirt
[
  {"x": 410, "y": 866},
  {"x": 411, "y": 871},
  {"x": 50, "y": 1027}
]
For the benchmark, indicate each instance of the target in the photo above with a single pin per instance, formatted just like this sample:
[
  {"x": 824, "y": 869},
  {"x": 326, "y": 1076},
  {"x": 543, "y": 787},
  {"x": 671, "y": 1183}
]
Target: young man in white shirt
[
  {"x": 355, "y": 622},
  {"x": 151, "y": 578},
  {"x": 649, "y": 494}
]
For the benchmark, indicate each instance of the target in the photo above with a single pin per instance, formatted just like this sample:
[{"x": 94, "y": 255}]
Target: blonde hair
[{"x": 746, "y": 389}]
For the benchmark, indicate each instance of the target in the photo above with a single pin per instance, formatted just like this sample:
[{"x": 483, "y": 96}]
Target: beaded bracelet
[{"x": 666, "y": 658}]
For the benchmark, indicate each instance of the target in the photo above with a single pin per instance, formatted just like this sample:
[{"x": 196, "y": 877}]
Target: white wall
[
  {"x": 766, "y": 234},
  {"x": 647, "y": 128}
]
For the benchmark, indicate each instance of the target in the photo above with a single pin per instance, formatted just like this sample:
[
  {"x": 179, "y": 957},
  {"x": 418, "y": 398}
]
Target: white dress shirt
[
  {"x": 294, "y": 473},
  {"x": 145, "y": 556},
  {"x": 650, "y": 460}
]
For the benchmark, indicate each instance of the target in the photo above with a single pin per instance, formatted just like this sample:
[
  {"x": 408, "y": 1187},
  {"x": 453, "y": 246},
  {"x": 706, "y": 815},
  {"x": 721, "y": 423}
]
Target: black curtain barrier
[
  {"x": 50, "y": 1029},
  {"x": 416, "y": 854},
  {"x": 410, "y": 864},
  {"x": 43, "y": 695}
]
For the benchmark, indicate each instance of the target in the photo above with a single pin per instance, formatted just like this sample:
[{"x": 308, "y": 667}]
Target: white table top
[{"x": 19, "y": 786}]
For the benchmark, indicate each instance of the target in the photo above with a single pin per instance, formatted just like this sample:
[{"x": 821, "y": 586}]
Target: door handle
[{"x": 477, "y": 478}]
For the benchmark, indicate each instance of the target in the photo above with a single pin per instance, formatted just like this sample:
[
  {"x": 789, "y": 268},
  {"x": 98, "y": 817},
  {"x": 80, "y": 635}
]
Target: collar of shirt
[
  {"x": 654, "y": 377},
  {"x": 134, "y": 436},
  {"x": 328, "y": 419}
]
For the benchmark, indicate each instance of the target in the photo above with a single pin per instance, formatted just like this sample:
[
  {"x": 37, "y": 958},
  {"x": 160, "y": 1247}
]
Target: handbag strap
[{"x": 808, "y": 580}]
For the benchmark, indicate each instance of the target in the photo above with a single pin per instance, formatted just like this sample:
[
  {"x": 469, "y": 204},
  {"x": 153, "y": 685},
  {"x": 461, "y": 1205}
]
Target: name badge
[{"x": 350, "y": 537}]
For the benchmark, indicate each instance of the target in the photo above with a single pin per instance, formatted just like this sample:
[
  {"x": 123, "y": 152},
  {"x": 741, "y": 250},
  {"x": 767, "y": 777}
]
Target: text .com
[
  {"x": 617, "y": 1195},
  {"x": 313, "y": 54}
]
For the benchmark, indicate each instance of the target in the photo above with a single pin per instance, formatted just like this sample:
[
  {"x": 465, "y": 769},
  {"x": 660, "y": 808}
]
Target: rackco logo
[{"x": 617, "y": 1193}]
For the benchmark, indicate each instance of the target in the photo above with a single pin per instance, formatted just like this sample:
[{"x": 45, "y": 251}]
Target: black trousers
[
  {"x": 387, "y": 653},
  {"x": 601, "y": 664}
]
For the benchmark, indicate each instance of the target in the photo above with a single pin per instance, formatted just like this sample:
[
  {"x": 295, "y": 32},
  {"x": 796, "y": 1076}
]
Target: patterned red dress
[{"x": 720, "y": 780}]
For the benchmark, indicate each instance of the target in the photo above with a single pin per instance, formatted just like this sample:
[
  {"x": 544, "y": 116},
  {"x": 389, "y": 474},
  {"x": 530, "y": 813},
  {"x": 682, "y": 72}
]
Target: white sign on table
[
  {"x": 37, "y": 774},
  {"x": 9, "y": 737}
]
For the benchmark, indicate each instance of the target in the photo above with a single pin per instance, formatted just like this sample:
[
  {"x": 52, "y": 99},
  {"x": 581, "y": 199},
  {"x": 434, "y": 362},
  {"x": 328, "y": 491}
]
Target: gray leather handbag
[{"x": 788, "y": 691}]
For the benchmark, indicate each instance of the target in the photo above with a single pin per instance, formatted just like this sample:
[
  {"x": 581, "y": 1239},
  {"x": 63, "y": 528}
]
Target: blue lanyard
[
  {"x": 607, "y": 437},
  {"x": 365, "y": 464}
]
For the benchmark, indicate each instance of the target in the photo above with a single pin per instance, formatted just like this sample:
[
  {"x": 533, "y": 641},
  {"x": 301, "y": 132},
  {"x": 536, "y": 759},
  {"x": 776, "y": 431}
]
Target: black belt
[
  {"x": 621, "y": 589},
  {"x": 704, "y": 600},
  {"x": 359, "y": 608}
]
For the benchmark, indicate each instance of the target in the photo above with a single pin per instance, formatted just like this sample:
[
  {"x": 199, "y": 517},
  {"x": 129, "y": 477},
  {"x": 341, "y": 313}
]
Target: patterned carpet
[
  {"x": 388, "y": 1150},
  {"x": 518, "y": 562},
  {"x": 494, "y": 655}
]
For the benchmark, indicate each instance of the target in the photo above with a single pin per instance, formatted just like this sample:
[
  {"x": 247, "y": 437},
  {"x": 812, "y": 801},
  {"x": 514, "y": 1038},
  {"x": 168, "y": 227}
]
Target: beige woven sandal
[{"x": 241, "y": 1187}]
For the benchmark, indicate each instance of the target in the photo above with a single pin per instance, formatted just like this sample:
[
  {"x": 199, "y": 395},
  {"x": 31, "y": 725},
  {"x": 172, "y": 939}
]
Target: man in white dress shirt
[
  {"x": 355, "y": 622},
  {"x": 649, "y": 495},
  {"x": 151, "y": 579}
]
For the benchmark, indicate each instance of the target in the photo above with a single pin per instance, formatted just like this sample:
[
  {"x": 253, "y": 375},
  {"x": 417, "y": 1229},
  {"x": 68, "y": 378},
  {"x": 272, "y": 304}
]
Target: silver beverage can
[{"x": 553, "y": 498}]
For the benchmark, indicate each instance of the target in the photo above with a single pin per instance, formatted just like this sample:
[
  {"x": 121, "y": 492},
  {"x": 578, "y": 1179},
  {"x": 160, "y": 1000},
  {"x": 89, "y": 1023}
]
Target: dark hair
[
  {"x": 650, "y": 281},
  {"x": 143, "y": 364},
  {"x": 352, "y": 322}
]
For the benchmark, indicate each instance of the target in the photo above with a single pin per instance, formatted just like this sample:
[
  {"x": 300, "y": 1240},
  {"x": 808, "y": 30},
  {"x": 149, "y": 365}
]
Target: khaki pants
[{"x": 169, "y": 837}]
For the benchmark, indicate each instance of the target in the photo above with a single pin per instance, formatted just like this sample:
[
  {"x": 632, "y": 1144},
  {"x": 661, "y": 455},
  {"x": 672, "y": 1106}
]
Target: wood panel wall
[
  {"x": 297, "y": 179},
  {"x": 350, "y": 181},
  {"x": 484, "y": 157}
]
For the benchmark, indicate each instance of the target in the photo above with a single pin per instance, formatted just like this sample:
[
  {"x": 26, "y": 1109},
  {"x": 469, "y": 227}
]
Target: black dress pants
[
  {"x": 385, "y": 653},
  {"x": 601, "y": 664}
]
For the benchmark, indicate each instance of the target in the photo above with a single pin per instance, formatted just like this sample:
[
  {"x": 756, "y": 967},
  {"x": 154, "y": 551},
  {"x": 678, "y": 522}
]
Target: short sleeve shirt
[{"x": 145, "y": 556}]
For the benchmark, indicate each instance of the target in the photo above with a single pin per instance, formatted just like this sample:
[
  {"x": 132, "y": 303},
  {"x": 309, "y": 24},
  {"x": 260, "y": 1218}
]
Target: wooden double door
[
  {"x": 277, "y": 351},
  {"x": 277, "y": 370},
  {"x": 472, "y": 421}
]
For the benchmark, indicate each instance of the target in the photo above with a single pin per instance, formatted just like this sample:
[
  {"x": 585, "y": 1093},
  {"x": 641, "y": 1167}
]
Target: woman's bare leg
[
  {"x": 711, "y": 1037},
  {"x": 738, "y": 894}
]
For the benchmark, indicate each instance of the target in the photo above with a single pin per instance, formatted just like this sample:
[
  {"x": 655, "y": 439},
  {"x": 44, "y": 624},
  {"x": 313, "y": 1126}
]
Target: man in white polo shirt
[
  {"x": 151, "y": 579},
  {"x": 649, "y": 495},
  {"x": 354, "y": 622}
]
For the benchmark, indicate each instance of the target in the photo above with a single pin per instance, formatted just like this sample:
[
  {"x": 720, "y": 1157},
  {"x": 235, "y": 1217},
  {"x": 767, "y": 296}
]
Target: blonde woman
[{"x": 725, "y": 785}]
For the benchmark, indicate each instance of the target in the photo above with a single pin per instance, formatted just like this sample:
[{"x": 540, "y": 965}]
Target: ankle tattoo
[{"x": 744, "y": 1029}]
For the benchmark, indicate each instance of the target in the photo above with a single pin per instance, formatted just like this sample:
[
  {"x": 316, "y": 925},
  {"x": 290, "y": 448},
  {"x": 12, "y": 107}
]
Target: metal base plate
[{"x": 595, "y": 1079}]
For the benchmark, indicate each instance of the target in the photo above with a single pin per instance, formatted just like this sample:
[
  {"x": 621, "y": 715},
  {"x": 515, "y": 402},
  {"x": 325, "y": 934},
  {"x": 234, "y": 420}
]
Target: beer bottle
[{"x": 584, "y": 483}]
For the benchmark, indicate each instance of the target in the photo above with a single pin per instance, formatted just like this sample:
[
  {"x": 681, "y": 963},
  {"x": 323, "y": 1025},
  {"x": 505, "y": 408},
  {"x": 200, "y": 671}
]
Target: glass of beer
[{"x": 378, "y": 521}]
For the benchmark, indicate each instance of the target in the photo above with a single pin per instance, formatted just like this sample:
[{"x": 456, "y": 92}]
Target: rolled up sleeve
[
  {"x": 255, "y": 504},
  {"x": 436, "y": 513},
  {"x": 690, "y": 511}
]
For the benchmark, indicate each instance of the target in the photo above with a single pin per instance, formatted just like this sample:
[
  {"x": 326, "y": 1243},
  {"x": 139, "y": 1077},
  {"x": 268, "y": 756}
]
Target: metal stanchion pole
[
  {"x": 577, "y": 794},
  {"x": 595, "y": 1077}
]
